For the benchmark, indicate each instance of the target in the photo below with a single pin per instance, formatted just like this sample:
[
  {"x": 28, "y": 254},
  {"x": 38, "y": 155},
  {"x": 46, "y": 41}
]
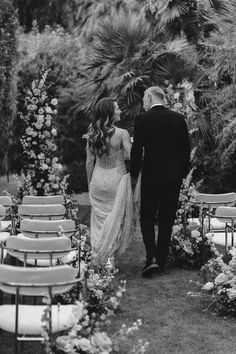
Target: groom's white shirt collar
[{"x": 156, "y": 104}]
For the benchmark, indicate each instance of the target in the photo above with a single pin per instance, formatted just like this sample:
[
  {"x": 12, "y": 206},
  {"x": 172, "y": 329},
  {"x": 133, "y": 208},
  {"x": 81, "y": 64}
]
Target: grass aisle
[{"x": 172, "y": 321}]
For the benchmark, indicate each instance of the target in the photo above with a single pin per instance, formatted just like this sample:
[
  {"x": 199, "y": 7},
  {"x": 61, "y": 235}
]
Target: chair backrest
[
  {"x": 226, "y": 214},
  {"x": 47, "y": 199},
  {"x": 44, "y": 228},
  {"x": 36, "y": 281},
  {"x": 5, "y": 200},
  {"x": 2, "y": 212},
  {"x": 42, "y": 212},
  {"x": 22, "y": 247},
  {"x": 215, "y": 200}
]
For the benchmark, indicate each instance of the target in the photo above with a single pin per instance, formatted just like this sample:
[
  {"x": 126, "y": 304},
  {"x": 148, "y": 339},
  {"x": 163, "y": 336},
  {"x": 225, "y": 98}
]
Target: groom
[{"x": 161, "y": 149}]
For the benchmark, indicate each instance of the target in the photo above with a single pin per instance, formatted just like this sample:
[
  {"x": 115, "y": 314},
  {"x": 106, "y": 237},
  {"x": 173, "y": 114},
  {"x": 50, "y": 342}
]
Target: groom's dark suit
[{"x": 161, "y": 149}]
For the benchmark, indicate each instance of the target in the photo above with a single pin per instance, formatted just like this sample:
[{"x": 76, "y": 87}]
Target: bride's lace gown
[{"x": 111, "y": 199}]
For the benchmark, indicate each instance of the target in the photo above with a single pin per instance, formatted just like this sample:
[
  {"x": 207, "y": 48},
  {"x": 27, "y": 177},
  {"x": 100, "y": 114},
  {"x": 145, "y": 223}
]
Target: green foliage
[
  {"x": 60, "y": 53},
  {"x": 8, "y": 55},
  {"x": 123, "y": 60},
  {"x": 217, "y": 161}
]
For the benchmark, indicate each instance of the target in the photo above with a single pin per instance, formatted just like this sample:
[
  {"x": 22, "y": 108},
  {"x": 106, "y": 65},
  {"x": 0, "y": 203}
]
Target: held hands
[{"x": 133, "y": 183}]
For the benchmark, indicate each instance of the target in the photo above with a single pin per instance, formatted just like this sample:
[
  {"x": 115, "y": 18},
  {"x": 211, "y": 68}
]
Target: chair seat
[
  {"x": 30, "y": 318},
  {"x": 4, "y": 225},
  {"x": 219, "y": 238},
  {"x": 215, "y": 223},
  {"x": 46, "y": 262},
  {"x": 4, "y": 236}
]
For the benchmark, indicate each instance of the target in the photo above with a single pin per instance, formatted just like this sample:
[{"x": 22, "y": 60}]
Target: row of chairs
[
  {"x": 41, "y": 242},
  {"x": 217, "y": 218}
]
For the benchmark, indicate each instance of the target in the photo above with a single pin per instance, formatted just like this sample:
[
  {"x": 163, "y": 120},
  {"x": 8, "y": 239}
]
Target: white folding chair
[
  {"x": 25, "y": 321},
  {"x": 42, "y": 212},
  {"x": 3, "y": 234},
  {"x": 47, "y": 199},
  {"x": 7, "y": 202},
  {"x": 208, "y": 204},
  {"x": 47, "y": 228},
  {"x": 41, "y": 252},
  {"x": 227, "y": 216}
]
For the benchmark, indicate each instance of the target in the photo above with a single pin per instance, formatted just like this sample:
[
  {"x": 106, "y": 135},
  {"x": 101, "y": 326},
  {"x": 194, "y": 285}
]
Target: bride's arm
[
  {"x": 126, "y": 142},
  {"x": 90, "y": 160}
]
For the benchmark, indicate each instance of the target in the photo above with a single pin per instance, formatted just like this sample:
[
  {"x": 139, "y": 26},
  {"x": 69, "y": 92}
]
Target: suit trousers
[{"x": 158, "y": 199}]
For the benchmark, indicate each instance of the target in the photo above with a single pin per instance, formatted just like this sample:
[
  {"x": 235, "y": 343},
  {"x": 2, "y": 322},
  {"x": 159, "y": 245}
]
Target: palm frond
[
  {"x": 117, "y": 40},
  {"x": 173, "y": 9}
]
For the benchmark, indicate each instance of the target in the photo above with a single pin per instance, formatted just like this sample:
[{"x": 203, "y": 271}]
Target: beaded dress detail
[{"x": 111, "y": 199}]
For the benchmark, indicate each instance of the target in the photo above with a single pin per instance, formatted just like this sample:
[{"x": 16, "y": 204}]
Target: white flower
[
  {"x": 54, "y": 132},
  {"x": 41, "y": 156},
  {"x": 114, "y": 303},
  {"x": 221, "y": 278},
  {"x": 40, "y": 118},
  {"x": 38, "y": 125},
  {"x": 231, "y": 293},
  {"x": 101, "y": 341},
  {"x": 85, "y": 345},
  {"x": 195, "y": 233},
  {"x": 177, "y": 105},
  {"x": 41, "y": 111},
  {"x": 53, "y": 147},
  {"x": 29, "y": 131},
  {"x": 48, "y": 109},
  {"x": 34, "y": 100},
  {"x": 47, "y": 133},
  {"x": 32, "y": 154},
  {"x": 54, "y": 101},
  {"x": 55, "y": 160},
  {"x": 176, "y": 228},
  {"x": 31, "y": 107},
  {"x": 36, "y": 92},
  {"x": 176, "y": 96},
  {"x": 38, "y": 185},
  {"x": 44, "y": 166},
  {"x": 208, "y": 286},
  {"x": 48, "y": 123}
]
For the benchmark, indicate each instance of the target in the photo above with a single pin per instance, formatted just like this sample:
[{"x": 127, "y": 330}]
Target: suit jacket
[{"x": 161, "y": 146}]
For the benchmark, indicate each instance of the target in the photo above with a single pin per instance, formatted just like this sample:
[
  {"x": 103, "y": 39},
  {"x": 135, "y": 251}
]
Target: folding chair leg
[{"x": 203, "y": 246}]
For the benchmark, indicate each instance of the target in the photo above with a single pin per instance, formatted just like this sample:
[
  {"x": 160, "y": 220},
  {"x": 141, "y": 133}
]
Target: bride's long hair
[{"x": 101, "y": 129}]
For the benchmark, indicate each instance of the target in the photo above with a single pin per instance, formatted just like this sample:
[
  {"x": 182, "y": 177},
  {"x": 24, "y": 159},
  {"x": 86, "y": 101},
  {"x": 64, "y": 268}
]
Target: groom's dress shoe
[{"x": 151, "y": 268}]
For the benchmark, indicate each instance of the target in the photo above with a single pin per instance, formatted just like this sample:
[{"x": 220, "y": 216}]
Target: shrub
[{"x": 8, "y": 54}]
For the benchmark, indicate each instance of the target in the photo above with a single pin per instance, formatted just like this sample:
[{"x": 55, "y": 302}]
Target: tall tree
[{"x": 8, "y": 54}]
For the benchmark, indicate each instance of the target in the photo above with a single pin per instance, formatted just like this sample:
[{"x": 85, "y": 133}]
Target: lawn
[{"x": 172, "y": 321}]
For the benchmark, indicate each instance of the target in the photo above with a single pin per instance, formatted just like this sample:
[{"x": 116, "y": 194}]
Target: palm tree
[
  {"x": 124, "y": 60},
  {"x": 172, "y": 18}
]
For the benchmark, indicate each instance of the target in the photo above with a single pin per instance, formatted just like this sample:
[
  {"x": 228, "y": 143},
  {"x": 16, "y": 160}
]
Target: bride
[{"x": 110, "y": 191}]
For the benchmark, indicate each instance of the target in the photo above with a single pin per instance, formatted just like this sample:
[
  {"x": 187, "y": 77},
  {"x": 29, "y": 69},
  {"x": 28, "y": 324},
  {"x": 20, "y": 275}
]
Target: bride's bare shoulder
[{"x": 123, "y": 132}]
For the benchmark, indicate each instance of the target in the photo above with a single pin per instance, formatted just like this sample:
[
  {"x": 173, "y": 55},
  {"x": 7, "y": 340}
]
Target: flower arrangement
[
  {"x": 95, "y": 304},
  {"x": 186, "y": 239},
  {"x": 87, "y": 334},
  {"x": 42, "y": 173},
  {"x": 222, "y": 283}
]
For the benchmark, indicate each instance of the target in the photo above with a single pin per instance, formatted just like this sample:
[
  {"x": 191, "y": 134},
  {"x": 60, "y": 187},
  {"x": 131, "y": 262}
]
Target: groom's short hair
[{"x": 156, "y": 91}]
